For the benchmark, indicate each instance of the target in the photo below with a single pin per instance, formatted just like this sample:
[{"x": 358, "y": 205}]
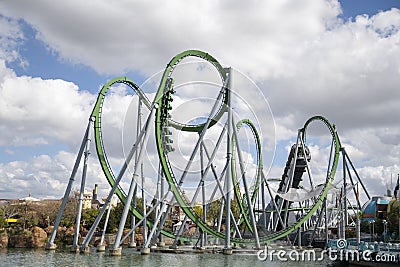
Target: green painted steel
[
  {"x": 160, "y": 123},
  {"x": 240, "y": 199},
  {"x": 163, "y": 156},
  {"x": 167, "y": 74},
  {"x": 101, "y": 153},
  {"x": 331, "y": 175}
]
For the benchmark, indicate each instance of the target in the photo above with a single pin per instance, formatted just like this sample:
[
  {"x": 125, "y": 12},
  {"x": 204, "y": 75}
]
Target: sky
[{"x": 339, "y": 59}]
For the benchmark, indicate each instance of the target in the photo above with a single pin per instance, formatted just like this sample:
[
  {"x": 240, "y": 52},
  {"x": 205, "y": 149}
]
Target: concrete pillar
[
  {"x": 227, "y": 251},
  {"x": 51, "y": 246},
  {"x": 145, "y": 251},
  {"x": 116, "y": 251},
  {"x": 101, "y": 248},
  {"x": 85, "y": 250},
  {"x": 74, "y": 249}
]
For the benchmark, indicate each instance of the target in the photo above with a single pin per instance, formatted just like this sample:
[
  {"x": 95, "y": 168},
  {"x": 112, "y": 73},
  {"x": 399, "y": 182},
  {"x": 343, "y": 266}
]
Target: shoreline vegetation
[{"x": 28, "y": 224}]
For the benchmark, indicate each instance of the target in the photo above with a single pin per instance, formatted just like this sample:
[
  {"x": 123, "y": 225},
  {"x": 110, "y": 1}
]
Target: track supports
[
  {"x": 50, "y": 244},
  {"x": 228, "y": 180},
  {"x": 75, "y": 245},
  {"x": 116, "y": 250},
  {"x": 234, "y": 232}
]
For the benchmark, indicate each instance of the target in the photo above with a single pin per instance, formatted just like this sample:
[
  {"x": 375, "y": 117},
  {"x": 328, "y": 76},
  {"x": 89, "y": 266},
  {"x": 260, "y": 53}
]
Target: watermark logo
[
  {"x": 341, "y": 243},
  {"x": 340, "y": 253}
]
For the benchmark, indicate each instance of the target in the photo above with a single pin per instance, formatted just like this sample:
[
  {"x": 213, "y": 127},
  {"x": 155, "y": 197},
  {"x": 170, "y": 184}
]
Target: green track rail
[
  {"x": 101, "y": 153},
  {"x": 163, "y": 156},
  {"x": 167, "y": 74},
  {"x": 174, "y": 187},
  {"x": 253, "y": 197}
]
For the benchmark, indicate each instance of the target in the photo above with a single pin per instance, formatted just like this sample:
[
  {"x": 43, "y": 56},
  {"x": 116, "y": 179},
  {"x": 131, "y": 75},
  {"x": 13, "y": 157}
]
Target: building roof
[{"x": 30, "y": 198}]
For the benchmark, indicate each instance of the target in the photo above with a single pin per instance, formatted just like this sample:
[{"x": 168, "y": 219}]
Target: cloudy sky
[{"x": 318, "y": 57}]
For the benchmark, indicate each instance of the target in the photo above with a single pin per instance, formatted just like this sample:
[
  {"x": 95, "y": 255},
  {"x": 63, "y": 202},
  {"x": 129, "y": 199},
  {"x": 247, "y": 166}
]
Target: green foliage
[
  {"x": 350, "y": 233},
  {"x": 88, "y": 217},
  {"x": 198, "y": 210},
  {"x": 235, "y": 209},
  {"x": 168, "y": 225},
  {"x": 69, "y": 217},
  {"x": 364, "y": 227},
  {"x": 115, "y": 217},
  {"x": 393, "y": 216},
  {"x": 2, "y": 219},
  {"x": 213, "y": 212}
]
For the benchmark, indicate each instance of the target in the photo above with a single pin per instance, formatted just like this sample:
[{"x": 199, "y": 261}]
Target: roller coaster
[{"x": 269, "y": 208}]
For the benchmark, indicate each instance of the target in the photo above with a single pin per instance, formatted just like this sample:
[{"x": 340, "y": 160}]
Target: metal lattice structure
[{"x": 265, "y": 215}]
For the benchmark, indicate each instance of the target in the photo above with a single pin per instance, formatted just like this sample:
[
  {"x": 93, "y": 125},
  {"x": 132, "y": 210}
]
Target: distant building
[
  {"x": 90, "y": 199},
  {"x": 376, "y": 208},
  {"x": 95, "y": 204},
  {"x": 177, "y": 214},
  {"x": 29, "y": 199},
  {"x": 114, "y": 200}
]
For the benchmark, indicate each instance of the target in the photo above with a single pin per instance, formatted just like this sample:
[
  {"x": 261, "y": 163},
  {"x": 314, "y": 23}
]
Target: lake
[{"x": 131, "y": 257}]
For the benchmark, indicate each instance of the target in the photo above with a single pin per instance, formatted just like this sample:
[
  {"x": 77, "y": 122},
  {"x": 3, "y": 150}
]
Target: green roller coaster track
[
  {"x": 163, "y": 156},
  {"x": 96, "y": 117},
  {"x": 259, "y": 161}
]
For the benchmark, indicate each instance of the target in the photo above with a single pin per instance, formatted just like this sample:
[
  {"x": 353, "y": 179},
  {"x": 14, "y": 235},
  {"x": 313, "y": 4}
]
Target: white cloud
[
  {"x": 34, "y": 111},
  {"x": 143, "y": 35},
  {"x": 10, "y": 37},
  {"x": 304, "y": 58}
]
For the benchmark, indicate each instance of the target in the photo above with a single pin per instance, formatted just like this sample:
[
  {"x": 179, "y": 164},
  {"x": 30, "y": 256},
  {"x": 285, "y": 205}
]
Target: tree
[
  {"x": 393, "y": 216},
  {"x": 69, "y": 216},
  {"x": 11, "y": 211},
  {"x": 2, "y": 219},
  {"x": 116, "y": 214},
  {"x": 198, "y": 210},
  {"x": 88, "y": 217},
  {"x": 44, "y": 212},
  {"x": 213, "y": 211}
]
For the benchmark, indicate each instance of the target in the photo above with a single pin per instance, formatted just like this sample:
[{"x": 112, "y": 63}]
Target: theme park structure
[{"x": 270, "y": 209}]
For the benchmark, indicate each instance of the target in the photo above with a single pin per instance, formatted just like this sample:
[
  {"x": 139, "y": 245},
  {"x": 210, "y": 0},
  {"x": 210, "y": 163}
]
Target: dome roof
[{"x": 369, "y": 210}]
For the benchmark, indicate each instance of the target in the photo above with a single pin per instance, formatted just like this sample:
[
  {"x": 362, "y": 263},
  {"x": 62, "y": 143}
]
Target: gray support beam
[
  {"x": 326, "y": 222},
  {"x": 275, "y": 206},
  {"x": 358, "y": 177},
  {"x": 85, "y": 243},
  {"x": 141, "y": 221},
  {"x": 75, "y": 245},
  {"x": 203, "y": 196},
  {"x": 132, "y": 242},
  {"x": 264, "y": 213},
  {"x": 116, "y": 248},
  {"x": 246, "y": 188},
  {"x": 228, "y": 179},
  {"x": 320, "y": 216},
  {"x": 143, "y": 206},
  {"x": 344, "y": 207},
  {"x": 219, "y": 223},
  {"x": 162, "y": 190},
  {"x": 50, "y": 244},
  {"x": 101, "y": 246},
  {"x": 156, "y": 221}
]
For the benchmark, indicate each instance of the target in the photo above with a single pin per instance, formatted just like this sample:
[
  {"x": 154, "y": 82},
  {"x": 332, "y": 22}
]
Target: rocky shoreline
[{"x": 36, "y": 237}]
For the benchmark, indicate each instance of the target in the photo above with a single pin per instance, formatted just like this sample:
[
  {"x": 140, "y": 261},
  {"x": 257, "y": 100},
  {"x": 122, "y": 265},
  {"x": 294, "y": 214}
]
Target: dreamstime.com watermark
[{"x": 341, "y": 254}]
